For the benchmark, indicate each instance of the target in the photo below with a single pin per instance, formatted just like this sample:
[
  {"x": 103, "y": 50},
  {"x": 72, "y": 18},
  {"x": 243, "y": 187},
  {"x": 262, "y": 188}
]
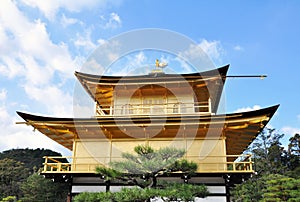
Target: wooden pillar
[
  {"x": 227, "y": 192},
  {"x": 227, "y": 186},
  {"x": 69, "y": 196},
  {"x": 107, "y": 185}
]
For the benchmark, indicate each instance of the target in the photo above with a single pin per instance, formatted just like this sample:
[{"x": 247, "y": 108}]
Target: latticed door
[{"x": 154, "y": 105}]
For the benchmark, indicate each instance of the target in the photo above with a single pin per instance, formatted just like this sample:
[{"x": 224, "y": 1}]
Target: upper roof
[
  {"x": 208, "y": 84},
  {"x": 240, "y": 129}
]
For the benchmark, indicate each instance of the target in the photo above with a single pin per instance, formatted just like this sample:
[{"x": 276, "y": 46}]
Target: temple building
[{"x": 159, "y": 110}]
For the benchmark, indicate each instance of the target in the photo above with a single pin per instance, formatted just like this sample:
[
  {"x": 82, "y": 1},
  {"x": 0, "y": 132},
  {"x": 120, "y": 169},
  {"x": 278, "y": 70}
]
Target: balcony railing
[
  {"x": 209, "y": 164},
  {"x": 156, "y": 108}
]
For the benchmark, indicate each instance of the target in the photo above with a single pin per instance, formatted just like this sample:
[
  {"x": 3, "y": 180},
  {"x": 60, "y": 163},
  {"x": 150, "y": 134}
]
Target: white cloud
[
  {"x": 102, "y": 57},
  {"x": 83, "y": 110},
  {"x": 30, "y": 59},
  {"x": 4, "y": 117},
  {"x": 131, "y": 64},
  {"x": 139, "y": 58},
  {"x": 21, "y": 136},
  {"x": 34, "y": 58},
  {"x": 34, "y": 61},
  {"x": 238, "y": 48},
  {"x": 113, "y": 21},
  {"x": 65, "y": 21},
  {"x": 3, "y": 93},
  {"x": 84, "y": 41},
  {"x": 30, "y": 40},
  {"x": 50, "y": 7},
  {"x": 4, "y": 39},
  {"x": 116, "y": 18},
  {"x": 91, "y": 66},
  {"x": 35, "y": 74},
  {"x": 290, "y": 130},
  {"x": 205, "y": 54},
  {"x": 101, "y": 41},
  {"x": 194, "y": 51},
  {"x": 212, "y": 48},
  {"x": 183, "y": 64},
  {"x": 112, "y": 56},
  {"x": 245, "y": 109},
  {"x": 10, "y": 66},
  {"x": 57, "y": 102}
]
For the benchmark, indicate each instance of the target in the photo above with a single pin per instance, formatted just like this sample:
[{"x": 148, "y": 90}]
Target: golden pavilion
[{"x": 160, "y": 110}]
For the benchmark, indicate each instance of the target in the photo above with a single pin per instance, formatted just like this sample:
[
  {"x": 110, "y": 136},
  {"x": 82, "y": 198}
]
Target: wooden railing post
[
  {"x": 209, "y": 105},
  {"x": 73, "y": 164},
  {"x": 251, "y": 168},
  {"x": 45, "y": 164},
  {"x": 59, "y": 167}
]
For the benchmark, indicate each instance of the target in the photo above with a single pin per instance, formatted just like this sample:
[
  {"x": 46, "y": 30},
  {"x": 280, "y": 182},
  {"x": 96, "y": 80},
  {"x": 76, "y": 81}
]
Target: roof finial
[
  {"x": 160, "y": 64},
  {"x": 157, "y": 63},
  {"x": 159, "y": 67}
]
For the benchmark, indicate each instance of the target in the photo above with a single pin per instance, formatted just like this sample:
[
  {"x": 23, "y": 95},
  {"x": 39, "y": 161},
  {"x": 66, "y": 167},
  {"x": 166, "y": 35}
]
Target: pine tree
[{"x": 143, "y": 168}]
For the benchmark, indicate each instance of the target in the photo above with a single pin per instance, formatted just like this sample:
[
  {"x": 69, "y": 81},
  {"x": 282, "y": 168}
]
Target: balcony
[
  {"x": 155, "y": 108},
  {"x": 67, "y": 164}
]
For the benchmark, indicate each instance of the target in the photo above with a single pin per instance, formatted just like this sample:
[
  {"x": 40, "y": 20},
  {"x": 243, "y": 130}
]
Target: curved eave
[
  {"x": 220, "y": 72},
  {"x": 240, "y": 129},
  {"x": 240, "y": 136}
]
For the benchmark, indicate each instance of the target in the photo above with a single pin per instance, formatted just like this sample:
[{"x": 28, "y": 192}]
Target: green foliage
[
  {"x": 143, "y": 150},
  {"x": 273, "y": 187},
  {"x": 295, "y": 173},
  {"x": 184, "y": 166},
  {"x": 142, "y": 168},
  {"x": 268, "y": 153},
  {"x": 293, "y": 153},
  {"x": 171, "y": 192},
  {"x": 183, "y": 192},
  {"x": 16, "y": 179},
  {"x": 125, "y": 195},
  {"x": 29, "y": 157},
  {"x": 37, "y": 188},
  {"x": 281, "y": 188},
  {"x": 278, "y": 171},
  {"x": 94, "y": 197},
  {"x": 108, "y": 173},
  {"x": 294, "y": 145},
  {"x": 10, "y": 199},
  {"x": 250, "y": 190},
  {"x": 12, "y": 174},
  {"x": 147, "y": 160},
  {"x": 131, "y": 195}
]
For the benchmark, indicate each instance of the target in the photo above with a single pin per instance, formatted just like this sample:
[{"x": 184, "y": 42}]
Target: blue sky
[{"x": 42, "y": 43}]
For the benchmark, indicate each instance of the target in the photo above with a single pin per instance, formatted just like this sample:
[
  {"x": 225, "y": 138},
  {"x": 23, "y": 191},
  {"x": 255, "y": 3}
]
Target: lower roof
[{"x": 239, "y": 129}]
